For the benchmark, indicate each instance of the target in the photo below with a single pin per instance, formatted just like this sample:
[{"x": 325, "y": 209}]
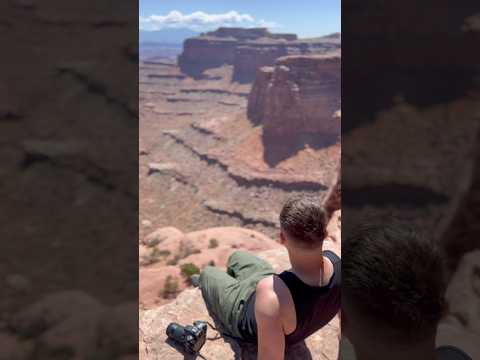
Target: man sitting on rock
[
  {"x": 274, "y": 310},
  {"x": 393, "y": 293}
]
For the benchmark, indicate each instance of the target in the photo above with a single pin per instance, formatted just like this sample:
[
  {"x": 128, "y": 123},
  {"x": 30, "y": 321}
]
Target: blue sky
[{"x": 307, "y": 18}]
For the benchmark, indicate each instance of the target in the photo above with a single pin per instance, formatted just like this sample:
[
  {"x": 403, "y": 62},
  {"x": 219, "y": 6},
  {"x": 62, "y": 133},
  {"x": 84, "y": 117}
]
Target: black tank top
[{"x": 315, "y": 306}]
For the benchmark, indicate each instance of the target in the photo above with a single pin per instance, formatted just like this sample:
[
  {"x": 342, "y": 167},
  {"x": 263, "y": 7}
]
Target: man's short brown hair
[
  {"x": 394, "y": 276},
  {"x": 305, "y": 220}
]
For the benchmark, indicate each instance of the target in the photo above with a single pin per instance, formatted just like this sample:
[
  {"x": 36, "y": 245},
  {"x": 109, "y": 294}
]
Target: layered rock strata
[
  {"x": 299, "y": 95},
  {"x": 246, "y": 50}
]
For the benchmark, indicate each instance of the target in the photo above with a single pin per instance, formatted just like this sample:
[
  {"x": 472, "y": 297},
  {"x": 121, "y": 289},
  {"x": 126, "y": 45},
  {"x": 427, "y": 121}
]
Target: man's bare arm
[{"x": 271, "y": 337}]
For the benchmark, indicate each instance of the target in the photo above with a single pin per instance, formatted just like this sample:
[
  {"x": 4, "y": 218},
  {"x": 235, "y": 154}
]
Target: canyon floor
[{"x": 203, "y": 164}]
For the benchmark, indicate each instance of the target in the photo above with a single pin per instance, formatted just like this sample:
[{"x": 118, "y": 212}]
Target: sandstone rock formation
[
  {"x": 246, "y": 49},
  {"x": 299, "y": 96},
  {"x": 250, "y": 56},
  {"x": 204, "y": 53},
  {"x": 189, "y": 306}
]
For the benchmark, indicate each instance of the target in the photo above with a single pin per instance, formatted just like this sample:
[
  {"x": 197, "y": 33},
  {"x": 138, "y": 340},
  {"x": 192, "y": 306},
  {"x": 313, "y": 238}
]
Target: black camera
[{"x": 191, "y": 337}]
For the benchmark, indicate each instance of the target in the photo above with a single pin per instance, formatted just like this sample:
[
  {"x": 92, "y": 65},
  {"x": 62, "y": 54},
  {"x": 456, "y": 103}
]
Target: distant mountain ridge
[{"x": 166, "y": 36}]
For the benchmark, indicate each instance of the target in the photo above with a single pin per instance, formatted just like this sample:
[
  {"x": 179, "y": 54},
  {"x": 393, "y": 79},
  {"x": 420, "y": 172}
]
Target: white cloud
[{"x": 201, "y": 21}]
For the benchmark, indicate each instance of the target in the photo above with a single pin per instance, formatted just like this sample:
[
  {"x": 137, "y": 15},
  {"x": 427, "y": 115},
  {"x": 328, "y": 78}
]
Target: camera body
[{"x": 191, "y": 337}]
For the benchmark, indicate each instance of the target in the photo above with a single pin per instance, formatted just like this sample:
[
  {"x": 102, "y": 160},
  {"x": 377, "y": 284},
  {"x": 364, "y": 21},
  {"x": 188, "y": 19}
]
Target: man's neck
[{"x": 311, "y": 266}]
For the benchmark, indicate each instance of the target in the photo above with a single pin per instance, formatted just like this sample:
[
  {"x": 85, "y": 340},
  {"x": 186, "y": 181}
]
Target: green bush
[
  {"x": 189, "y": 269},
  {"x": 213, "y": 243}
]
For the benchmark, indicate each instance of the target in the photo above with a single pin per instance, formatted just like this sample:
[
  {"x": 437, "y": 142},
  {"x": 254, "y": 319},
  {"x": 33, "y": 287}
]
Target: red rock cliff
[
  {"x": 200, "y": 54},
  {"x": 300, "y": 95},
  {"x": 246, "y": 50}
]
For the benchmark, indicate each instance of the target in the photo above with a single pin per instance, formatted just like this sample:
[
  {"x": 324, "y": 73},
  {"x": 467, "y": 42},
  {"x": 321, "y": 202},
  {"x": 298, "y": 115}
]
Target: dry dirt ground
[{"x": 202, "y": 162}]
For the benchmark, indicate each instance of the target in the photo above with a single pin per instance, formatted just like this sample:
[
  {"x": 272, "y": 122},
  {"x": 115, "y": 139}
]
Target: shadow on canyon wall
[{"x": 278, "y": 149}]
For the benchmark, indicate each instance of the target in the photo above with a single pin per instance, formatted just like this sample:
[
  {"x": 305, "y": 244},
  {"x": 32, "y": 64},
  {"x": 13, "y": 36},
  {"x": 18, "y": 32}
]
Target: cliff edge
[
  {"x": 300, "y": 95},
  {"x": 246, "y": 50},
  {"x": 190, "y": 306}
]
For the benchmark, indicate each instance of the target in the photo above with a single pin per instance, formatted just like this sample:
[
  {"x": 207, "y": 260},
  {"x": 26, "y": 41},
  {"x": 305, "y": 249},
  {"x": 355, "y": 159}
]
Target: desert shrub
[
  {"x": 189, "y": 269},
  {"x": 213, "y": 243},
  {"x": 170, "y": 288}
]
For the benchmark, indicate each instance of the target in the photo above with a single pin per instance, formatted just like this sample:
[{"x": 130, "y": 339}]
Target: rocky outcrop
[
  {"x": 246, "y": 50},
  {"x": 189, "y": 306},
  {"x": 300, "y": 95},
  {"x": 251, "y": 56},
  {"x": 204, "y": 53},
  {"x": 165, "y": 250}
]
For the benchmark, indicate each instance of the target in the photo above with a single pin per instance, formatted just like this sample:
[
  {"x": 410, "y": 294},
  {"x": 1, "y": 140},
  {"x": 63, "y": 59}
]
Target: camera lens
[{"x": 176, "y": 332}]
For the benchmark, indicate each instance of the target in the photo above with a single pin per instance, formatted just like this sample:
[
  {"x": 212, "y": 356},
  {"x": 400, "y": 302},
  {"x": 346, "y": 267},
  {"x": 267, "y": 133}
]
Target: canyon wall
[
  {"x": 299, "y": 95},
  {"x": 250, "y": 56},
  {"x": 200, "y": 54},
  {"x": 246, "y": 50}
]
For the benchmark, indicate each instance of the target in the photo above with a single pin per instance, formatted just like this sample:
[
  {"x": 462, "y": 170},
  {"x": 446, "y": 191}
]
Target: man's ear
[{"x": 282, "y": 237}]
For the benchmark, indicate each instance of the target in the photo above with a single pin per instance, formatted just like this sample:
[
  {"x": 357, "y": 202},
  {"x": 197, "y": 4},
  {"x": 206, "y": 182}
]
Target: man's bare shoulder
[{"x": 271, "y": 295}]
